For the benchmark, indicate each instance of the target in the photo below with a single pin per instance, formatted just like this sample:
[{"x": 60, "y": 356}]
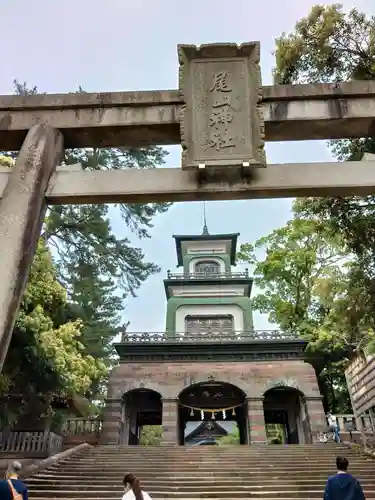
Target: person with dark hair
[
  {"x": 13, "y": 488},
  {"x": 343, "y": 486},
  {"x": 133, "y": 489}
]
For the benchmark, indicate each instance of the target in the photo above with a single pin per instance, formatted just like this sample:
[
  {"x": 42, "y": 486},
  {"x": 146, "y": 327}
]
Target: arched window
[
  {"x": 207, "y": 268},
  {"x": 213, "y": 325}
]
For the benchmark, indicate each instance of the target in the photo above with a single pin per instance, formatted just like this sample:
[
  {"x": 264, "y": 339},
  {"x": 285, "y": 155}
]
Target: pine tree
[{"x": 98, "y": 269}]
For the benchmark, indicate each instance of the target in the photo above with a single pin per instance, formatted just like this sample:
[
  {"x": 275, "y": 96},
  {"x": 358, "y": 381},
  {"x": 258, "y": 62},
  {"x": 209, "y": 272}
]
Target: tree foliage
[
  {"x": 231, "y": 438},
  {"x": 332, "y": 46},
  {"x": 151, "y": 435},
  {"x": 46, "y": 356},
  {"x": 329, "y": 45},
  {"x": 304, "y": 275},
  {"x": 98, "y": 268},
  {"x": 82, "y": 274}
]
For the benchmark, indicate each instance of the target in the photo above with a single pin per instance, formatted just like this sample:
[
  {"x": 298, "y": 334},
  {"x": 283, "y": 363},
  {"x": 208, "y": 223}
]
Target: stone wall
[
  {"x": 360, "y": 377},
  {"x": 169, "y": 379},
  {"x": 253, "y": 378}
]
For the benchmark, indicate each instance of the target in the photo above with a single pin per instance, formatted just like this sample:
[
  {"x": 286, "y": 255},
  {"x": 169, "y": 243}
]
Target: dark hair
[
  {"x": 342, "y": 463},
  {"x": 135, "y": 485}
]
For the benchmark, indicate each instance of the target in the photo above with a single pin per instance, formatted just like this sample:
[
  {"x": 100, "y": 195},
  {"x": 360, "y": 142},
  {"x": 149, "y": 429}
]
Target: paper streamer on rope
[{"x": 212, "y": 411}]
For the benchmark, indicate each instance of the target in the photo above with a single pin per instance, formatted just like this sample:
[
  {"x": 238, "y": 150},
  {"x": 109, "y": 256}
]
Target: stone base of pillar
[
  {"x": 170, "y": 422},
  {"x": 110, "y": 433},
  {"x": 316, "y": 416},
  {"x": 257, "y": 426}
]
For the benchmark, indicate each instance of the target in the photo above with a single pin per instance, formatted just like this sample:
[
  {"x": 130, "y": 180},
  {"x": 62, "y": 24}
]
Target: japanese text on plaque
[{"x": 221, "y": 114}]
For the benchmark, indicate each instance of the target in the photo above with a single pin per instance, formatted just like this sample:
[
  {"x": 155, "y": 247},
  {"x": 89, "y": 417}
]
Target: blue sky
[{"x": 112, "y": 45}]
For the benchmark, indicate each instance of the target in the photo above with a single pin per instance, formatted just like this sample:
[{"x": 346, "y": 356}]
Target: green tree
[
  {"x": 289, "y": 264},
  {"x": 275, "y": 434},
  {"x": 99, "y": 269},
  {"x": 46, "y": 356},
  {"x": 6, "y": 161},
  {"x": 151, "y": 435},
  {"x": 231, "y": 438},
  {"x": 330, "y": 45},
  {"x": 303, "y": 273}
]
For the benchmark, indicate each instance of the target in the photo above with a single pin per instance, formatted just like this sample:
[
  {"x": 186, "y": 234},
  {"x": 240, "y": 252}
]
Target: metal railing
[
  {"x": 212, "y": 336},
  {"x": 207, "y": 276}
]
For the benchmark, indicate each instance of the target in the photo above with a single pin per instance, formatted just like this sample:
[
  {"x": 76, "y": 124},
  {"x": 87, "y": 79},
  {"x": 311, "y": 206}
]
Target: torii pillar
[{"x": 22, "y": 211}]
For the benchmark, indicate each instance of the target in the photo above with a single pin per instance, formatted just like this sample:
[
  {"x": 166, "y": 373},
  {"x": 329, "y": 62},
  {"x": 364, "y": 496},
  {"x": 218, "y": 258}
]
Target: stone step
[
  {"x": 164, "y": 462},
  {"x": 214, "y": 478},
  {"x": 239, "y": 448},
  {"x": 190, "y": 459},
  {"x": 203, "y": 467},
  {"x": 218, "y": 453},
  {"x": 264, "y": 493},
  {"x": 165, "y": 457},
  {"x": 172, "y": 486},
  {"x": 198, "y": 475},
  {"x": 298, "y": 448},
  {"x": 217, "y": 473},
  {"x": 231, "y": 456},
  {"x": 166, "y": 496},
  {"x": 215, "y": 451}
]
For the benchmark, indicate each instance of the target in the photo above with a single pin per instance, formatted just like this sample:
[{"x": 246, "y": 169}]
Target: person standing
[
  {"x": 334, "y": 428},
  {"x": 12, "y": 488},
  {"x": 336, "y": 433},
  {"x": 343, "y": 486},
  {"x": 133, "y": 489}
]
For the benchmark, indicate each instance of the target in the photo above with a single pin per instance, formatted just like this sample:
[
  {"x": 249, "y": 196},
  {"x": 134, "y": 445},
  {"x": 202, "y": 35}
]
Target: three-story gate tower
[{"x": 210, "y": 363}]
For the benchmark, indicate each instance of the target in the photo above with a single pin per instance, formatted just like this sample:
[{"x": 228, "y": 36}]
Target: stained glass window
[
  {"x": 207, "y": 268},
  {"x": 214, "y": 325}
]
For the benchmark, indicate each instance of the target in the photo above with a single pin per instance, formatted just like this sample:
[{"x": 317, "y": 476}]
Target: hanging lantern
[
  {"x": 213, "y": 415},
  {"x": 202, "y": 415},
  {"x": 224, "y": 415},
  {"x": 192, "y": 412},
  {"x": 233, "y": 412}
]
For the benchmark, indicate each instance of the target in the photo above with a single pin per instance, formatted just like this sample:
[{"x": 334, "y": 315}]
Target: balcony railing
[
  {"x": 207, "y": 276},
  {"x": 212, "y": 336},
  {"x": 75, "y": 426}
]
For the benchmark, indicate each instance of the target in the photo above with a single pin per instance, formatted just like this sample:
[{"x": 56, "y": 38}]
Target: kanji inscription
[
  {"x": 222, "y": 113},
  {"x": 221, "y": 118}
]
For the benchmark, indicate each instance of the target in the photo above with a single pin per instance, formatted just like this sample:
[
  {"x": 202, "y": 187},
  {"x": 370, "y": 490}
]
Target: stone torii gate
[{"x": 221, "y": 115}]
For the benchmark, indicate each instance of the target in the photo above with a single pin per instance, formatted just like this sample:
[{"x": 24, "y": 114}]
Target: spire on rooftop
[{"x": 205, "y": 228}]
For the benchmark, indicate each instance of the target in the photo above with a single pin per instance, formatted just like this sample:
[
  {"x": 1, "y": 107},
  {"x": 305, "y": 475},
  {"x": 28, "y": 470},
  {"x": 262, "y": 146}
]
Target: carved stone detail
[
  {"x": 215, "y": 356},
  {"x": 221, "y": 119},
  {"x": 158, "y": 337},
  {"x": 284, "y": 382}
]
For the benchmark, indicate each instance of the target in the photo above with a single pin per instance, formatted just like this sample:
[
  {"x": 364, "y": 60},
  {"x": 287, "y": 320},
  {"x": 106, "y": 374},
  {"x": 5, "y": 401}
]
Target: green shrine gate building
[{"x": 210, "y": 363}]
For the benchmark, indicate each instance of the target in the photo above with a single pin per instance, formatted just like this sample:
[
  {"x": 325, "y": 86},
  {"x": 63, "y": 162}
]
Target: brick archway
[
  {"x": 285, "y": 414},
  {"x": 140, "y": 407},
  {"x": 209, "y": 401}
]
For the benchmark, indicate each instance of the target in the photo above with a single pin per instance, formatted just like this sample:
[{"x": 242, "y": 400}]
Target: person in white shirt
[{"x": 133, "y": 489}]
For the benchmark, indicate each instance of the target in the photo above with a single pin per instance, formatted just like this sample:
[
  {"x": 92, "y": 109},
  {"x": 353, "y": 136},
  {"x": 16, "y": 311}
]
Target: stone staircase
[{"x": 269, "y": 472}]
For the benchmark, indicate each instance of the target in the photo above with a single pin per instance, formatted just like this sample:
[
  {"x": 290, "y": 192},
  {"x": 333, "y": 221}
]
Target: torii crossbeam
[{"x": 221, "y": 115}]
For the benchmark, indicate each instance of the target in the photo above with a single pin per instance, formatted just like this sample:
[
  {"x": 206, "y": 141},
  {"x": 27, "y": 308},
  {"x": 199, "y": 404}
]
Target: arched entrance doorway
[
  {"x": 211, "y": 409},
  {"x": 141, "y": 407},
  {"x": 285, "y": 416}
]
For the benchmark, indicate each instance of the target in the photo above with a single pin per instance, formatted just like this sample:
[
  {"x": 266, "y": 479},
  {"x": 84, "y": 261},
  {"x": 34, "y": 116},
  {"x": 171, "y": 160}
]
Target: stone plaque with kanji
[{"x": 221, "y": 116}]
